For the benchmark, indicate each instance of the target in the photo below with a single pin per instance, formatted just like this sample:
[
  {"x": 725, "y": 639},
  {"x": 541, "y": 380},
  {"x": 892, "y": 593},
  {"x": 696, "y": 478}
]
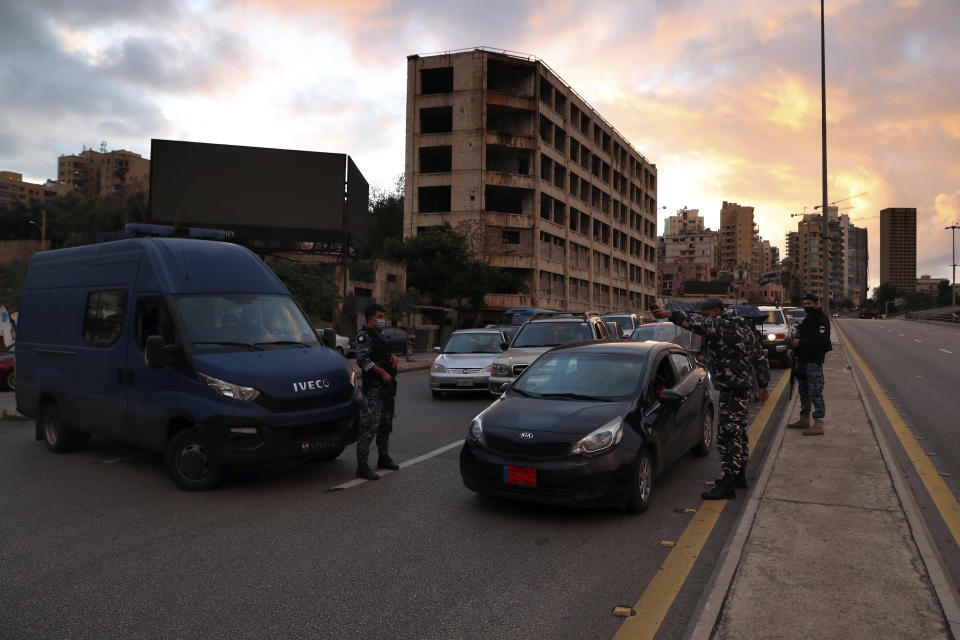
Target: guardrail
[{"x": 943, "y": 314}]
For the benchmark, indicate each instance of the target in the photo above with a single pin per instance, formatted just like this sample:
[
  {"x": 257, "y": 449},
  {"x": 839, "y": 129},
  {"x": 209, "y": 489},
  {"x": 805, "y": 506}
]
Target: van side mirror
[
  {"x": 329, "y": 338},
  {"x": 157, "y": 354},
  {"x": 437, "y": 349}
]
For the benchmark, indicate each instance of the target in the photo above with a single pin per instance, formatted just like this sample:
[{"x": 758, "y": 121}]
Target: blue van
[{"x": 190, "y": 347}]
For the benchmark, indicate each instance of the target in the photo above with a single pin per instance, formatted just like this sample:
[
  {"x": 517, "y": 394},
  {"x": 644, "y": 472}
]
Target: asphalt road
[
  {"x": 99, "y": 543},
  {"x": 918, "y": 366}
]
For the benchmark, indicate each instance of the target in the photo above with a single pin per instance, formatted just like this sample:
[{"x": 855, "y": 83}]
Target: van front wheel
[{"x": 188, "y": 464}]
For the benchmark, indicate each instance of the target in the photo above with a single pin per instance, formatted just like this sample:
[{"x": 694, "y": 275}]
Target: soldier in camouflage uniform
[
  {"x": 379, "y": 369},
  {"x": 735, "y": 360}
]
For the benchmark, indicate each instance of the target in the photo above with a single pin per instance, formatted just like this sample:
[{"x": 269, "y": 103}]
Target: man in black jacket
[{"x": 809, "y": 348}]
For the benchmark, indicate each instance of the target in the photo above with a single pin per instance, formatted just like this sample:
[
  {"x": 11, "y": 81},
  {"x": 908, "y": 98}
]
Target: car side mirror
[
  {"x": 329, "y": 338},
  {"x": 157, "y": 354},
  {"x": 671, "y": 397},
  {"x": 438, "y": 349},
  {"x": 504, "y": 346}
]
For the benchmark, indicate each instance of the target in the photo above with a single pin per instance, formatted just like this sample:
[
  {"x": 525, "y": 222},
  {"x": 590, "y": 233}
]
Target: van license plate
[
  {"x": 524, "y": 476},
  {"x": 317, "y": 445},
  {"x": 464, "y": 382}
]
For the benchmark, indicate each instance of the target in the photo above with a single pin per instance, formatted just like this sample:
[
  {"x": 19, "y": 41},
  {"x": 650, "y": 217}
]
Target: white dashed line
[
  {"x": 945, "y": 351},
  {"x": 920, "y": 341},
  {"x": 900, "y": 334},
  {"x": 403, "y": 465}
]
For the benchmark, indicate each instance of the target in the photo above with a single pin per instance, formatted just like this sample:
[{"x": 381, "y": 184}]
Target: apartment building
[
  {"x": 502, "y": 149},
  {"x": 898, "y": 248},
  {"x": 737, "y": 232},
  {"x": 13, "y": 189},
  {"x": 103, "y": 174},
  {"x": 685, "y": 221},
  {"x": 858, "y": 258}
]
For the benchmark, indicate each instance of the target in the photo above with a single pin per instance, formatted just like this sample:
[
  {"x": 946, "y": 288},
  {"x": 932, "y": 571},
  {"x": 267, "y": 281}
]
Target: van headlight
[
  {"x": 229, "y": 390},
  {"x": 606, "y": 437}
]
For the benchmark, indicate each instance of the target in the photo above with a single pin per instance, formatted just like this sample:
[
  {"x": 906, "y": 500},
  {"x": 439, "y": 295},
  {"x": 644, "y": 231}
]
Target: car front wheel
[
  {"x": 642, "y": 485},
  {"x": 10, "y": 380},
  {"x": 706, "y": 435}
]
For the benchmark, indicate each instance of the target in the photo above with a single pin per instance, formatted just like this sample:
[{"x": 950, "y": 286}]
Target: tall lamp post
[
  {"x": 823, "y": 120},
  {"x": 953, "y": 287}
]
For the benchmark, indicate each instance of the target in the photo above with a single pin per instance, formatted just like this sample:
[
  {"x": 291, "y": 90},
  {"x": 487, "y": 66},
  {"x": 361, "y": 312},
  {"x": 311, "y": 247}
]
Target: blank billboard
[{"x": 256, "y": 192}]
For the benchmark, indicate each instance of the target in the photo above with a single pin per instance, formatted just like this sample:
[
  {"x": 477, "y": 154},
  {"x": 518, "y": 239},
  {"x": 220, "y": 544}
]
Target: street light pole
[
  {"x": 953, "y": 287},
  {"x": 823, "y": 119}
]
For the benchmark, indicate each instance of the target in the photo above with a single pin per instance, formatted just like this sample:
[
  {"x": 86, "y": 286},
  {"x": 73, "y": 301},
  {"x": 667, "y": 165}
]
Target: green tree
[
  {"x": 886, "y": 292},
  {"x": 386, "y": 221},
  {"x": 944, "y": 297},
  {"x": 11, "y": 284},
  {"x": 403, "y": 303},
  {"x": 312, "y": 285}
]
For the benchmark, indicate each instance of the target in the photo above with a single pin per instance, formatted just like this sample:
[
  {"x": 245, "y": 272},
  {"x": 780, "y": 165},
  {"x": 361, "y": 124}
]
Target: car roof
[
  {"x": 618, "y": 347},
  {"x": 558, "y": 319},
  {"x": 480, "y": 330}
]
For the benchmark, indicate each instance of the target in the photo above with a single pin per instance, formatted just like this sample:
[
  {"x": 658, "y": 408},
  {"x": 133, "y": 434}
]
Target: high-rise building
[
  {"x": 857, "y": 260},
  {"x": 103, "y": 174},
  {"x": 686, "y": 256},
  {"x": 506, "y": 152},
  {"x": 898, "y": 248},
  {"x": 737, "y": 240},
  {"x": 685, "y": 221}
]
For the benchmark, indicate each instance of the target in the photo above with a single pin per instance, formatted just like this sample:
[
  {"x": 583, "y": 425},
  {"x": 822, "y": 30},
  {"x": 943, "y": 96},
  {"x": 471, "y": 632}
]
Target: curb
[{"x": 708, "y": 610}]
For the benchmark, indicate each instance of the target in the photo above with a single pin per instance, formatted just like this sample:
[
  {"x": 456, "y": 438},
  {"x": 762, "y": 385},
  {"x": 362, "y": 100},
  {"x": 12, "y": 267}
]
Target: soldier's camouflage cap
[{"x": 710, "y": 303}]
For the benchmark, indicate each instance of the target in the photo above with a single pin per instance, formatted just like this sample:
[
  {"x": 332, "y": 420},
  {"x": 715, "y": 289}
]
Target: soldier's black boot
[
  {"x": 364, "y": 471},
  {"x": 739, "y": 481},
  {"x": 386, "y": 462},
  {"x": 723, "y": 490}
]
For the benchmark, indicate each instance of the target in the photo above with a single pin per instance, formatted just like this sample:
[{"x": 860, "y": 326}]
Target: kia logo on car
[{"x": 526, "y": 435}]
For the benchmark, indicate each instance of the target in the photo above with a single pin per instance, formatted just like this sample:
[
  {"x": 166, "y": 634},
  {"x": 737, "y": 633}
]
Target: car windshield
[
  {"x": 661, "y": 331},
  {"x": 473, "y": 343},
  {"x": 246, "y": 321},
  {"x": 797, "y": 314},
  {"x": 774, "y": 316},
  {"x": 625, "y": 321},
  {"x": 551, "y": 334},
  {"x": 579, "y": 376}
]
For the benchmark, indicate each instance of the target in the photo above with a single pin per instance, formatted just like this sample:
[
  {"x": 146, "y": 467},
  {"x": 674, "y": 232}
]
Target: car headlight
[
  {"x": 436, "y": 367},
  {"x": 501, "y": 369},
  {"x": 229, "y": 390},
  {"x": 476, "y": 430},
  {"x": 487, "y": 369},
  {"x": 606, "y": 437},
  {"x": 771, "y": 337}
]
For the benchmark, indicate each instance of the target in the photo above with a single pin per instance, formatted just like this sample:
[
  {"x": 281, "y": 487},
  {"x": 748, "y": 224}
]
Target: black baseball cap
[{"x": 372, "y": 309}]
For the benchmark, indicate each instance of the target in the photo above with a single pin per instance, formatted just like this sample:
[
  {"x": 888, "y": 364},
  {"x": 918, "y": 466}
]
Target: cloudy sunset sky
[{"x": 722, "y": 95}]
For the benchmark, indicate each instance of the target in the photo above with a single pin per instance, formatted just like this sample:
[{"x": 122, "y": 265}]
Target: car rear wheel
[
  {"x": 706, "y": 435},
  {"x": 188, "y": 464},
  {"x": 10, "y": 380},
  {"x": 58, "y": 437},
  {"x": 642, "y": 485}
]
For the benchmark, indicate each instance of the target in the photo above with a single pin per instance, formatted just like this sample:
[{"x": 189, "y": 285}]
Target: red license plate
[{"x": 524, "y": 476}]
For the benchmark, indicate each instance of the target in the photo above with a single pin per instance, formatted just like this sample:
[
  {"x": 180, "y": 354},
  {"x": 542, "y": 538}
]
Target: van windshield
[{"x": 245, "y": 321}]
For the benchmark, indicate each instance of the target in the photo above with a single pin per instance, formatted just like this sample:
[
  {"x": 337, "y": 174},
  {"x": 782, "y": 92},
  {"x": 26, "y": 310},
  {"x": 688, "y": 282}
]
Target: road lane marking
[
  {"x": 658, "y": 597},
  {"x": 939, "y": 492},
  {"x": 901, "y": 335},
  {"x": 945, "y": 351},
  {"x": 403, "y": 465},
  {"x": 920, "y": 341}
]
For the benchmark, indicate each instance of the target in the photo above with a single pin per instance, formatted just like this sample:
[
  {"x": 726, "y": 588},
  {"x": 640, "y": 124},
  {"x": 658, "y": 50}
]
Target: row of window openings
[{"x": 440, "y": 119}]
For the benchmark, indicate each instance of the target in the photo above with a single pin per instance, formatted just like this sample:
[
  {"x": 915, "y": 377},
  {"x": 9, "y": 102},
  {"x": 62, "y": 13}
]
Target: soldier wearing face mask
[{"x": 379, "y": 369}]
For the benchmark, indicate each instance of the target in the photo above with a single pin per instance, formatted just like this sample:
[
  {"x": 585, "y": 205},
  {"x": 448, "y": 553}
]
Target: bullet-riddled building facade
[{"x": 508, "y": 154}]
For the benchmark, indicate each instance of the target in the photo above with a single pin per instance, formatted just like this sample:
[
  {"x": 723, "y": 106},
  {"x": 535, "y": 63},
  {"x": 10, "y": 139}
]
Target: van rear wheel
[
  {"x": 188, "y": 464},
  {"x": 58, "y": 437}
]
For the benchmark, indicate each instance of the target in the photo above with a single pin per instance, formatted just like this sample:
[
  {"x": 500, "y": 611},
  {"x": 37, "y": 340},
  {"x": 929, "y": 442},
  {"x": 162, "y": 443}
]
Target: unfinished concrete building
[{"x": 503, "y": 150}]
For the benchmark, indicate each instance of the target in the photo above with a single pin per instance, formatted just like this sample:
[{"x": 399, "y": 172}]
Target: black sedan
[{"x": 591, "y": 424}]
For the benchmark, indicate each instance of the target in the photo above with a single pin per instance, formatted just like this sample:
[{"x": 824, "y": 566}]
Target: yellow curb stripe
[
  {"x": 658, "y": 597},
  {"x": 940, "y": 493}
]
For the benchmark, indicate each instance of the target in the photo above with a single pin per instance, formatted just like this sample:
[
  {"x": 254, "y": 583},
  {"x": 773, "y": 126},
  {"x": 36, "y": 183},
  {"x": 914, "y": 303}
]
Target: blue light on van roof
[{"x": 168, "y": 231}]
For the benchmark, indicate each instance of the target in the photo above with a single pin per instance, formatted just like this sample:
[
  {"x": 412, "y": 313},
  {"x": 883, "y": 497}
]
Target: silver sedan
[{"x": 464, "y": 361}]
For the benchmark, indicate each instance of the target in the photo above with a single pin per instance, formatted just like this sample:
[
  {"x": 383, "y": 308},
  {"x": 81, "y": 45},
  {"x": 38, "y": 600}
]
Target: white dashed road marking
[
  {"x": 403, "y": 465},
  {"x": 945, "y": 351}
]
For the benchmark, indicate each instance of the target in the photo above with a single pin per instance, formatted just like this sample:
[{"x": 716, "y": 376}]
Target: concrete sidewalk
[{"x": 831, "y": 544}]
